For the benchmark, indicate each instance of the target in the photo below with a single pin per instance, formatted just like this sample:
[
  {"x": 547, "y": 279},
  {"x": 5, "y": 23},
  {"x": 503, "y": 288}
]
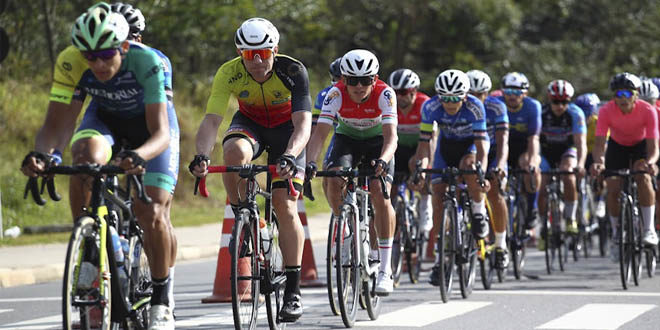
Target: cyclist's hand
[
  {"x": 199, "y": 165},
  {"x": 580, "y": 173},
  {"x": 36, "y": 163},
  {"x": 310, "y": 170},
  {"x": 417, "y": 184},
  {"x": 597, "y": 168},
  {"x": 651, "y": 168},
  {"x": 380, "y": 167},
  {"x": 131, "y": 162},
  {"x": 286, "y": 166},
  {"x": 486, "y": 186}
]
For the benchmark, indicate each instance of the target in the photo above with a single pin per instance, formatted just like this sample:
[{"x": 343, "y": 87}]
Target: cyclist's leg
[
  {"x": 647, "y": 203},
  {"x": 532, "y": 194},
  {"x": 499, "y": 212},
  {"x": 242, "y": 143},
  {"x": 543, "y": 195},
  {"x": 568, "y": 163},
  {"x": 480, "y": 225},
  {"x": 326, "y": 158},
  {"x": 92, "y": 143},
  {"x": 341, "y": 156}
]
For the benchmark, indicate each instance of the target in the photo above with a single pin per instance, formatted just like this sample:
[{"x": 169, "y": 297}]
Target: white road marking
[
  {"x": 566, "y": 293},
  {"x": 12, "y": 300},
  {"x": 598, "y": 316},
  {"x": 5, "y": 310},
  {"x": 48, "y": 322},
  {"x": 424, "y": 314}
]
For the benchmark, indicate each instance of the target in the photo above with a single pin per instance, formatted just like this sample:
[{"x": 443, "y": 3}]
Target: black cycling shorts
[
  {"x": 618, "y": 157},
  {"x": 348, "y": 153}
]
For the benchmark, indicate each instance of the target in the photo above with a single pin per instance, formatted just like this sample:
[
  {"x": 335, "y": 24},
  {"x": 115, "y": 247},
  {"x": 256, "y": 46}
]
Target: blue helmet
[
  {"x": 588, "y": 103},
  {"x": 656, "y": 81},
  {"x": 335, "y": 70}
]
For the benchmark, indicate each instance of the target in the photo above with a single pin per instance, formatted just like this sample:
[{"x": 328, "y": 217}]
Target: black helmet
[
  {"x": 625, "y": 80},
  {"x": 335, "y": 70}
]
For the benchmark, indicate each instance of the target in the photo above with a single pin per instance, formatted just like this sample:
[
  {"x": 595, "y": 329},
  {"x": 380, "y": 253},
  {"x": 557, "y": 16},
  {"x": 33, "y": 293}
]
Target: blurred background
[{"x": 582, "y": 41}]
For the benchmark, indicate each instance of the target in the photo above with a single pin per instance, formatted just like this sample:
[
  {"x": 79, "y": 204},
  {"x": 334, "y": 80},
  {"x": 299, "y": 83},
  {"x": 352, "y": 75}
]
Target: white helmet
[
  {"x": 403, "y": 79},
  {"x": 560, "y": 90},
  {"x": 515, "y": 80},
  {"x": 452, "y": 82},
  {"x": 359, "y": 63},
  {"x": 99, "y": 28},
  {"x": 256, "y": 33},
  {"x": 648, "y": 90},
  {"x": 479, "y": 81},
  {"x": 132, "y": 15}
]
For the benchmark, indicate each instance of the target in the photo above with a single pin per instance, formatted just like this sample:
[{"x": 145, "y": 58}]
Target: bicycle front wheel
[
  {"x": 625, "y": 243},
  {"x": 517, "y": 241},
  {"x": 140, "y": 281},
  {"x": 372, "y": 301},
  {"x": 348, "y": 272},
  {"x": 331, "y": 265},
  {"x": 398, "y": 245},
  {"x": 467, "y": 267},
  {"x": 86, "y": 296},
  {"x": 446, "y": 250},
  {"x": 244, "y": 273},
  {"x": 275, "y": 280}
]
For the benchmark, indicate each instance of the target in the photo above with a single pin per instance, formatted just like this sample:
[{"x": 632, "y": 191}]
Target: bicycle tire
[
  {"x": 603, "y": 236},
  {"x": 651, "y": 263},
  {"x": 412, "y": 255},
  {"x": 85, "y": 231},
  {"x": 420, "y": 243},
  {"x": 467, "y": 270},
  {"x": 348, "y": 272},
  {"x": 275, "y": 280},
  {"x": 559, "y": 248},
  {"x": 244, "y": 287},
  {"x": 372, "y": 301},
  {"x": 625, "y": 253},
  {"x": 487, "y": 266},
  {"x": 518, "y": 246},
  {"x": 398, "y": 243},
  {"x": 546, "y": 236},
  {"x": 637, "y": 247},
  {"x": 446, "y": 249},
  {"x": 331, "y": 266}
]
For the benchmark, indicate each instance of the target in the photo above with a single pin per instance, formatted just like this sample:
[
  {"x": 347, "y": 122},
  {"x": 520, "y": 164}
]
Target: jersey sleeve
[
  {"x": 534, "y": 121},
  {"x": 331, "y": 105},
  {"x": 651, "y": 122},
  {"x": 603, "y": 123},
  {"x": 221, "y": 95},
  {"x": 579, "y": 125},
  {"x": 387, "y": 105},
  {"x": 300, "y": 98},
  {"x": 426, "y": 126},
  {"x": 149, "y": 73},
  {"x": 498, "y": 108},
  {"x": 69, "y": 68},
  {"x": 316, "y": 111},
  {"x": 478, "y": 114}
]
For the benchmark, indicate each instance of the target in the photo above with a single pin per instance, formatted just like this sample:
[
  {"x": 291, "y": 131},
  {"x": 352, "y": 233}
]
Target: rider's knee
[
  {"x": 237, "y": 151},
  {"x": 91, "y": 150}
]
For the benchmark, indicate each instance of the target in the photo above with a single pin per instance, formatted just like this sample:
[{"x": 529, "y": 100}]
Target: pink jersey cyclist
[{"x": 628, "y": 129}]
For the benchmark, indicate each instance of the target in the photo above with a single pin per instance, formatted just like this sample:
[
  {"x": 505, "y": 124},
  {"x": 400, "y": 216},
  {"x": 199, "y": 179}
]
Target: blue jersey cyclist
[
  {"x": 129, "y": 108},
  {"x": 524, "y": 129},
  {"x": 563, "y": 146},
  {"x": 497, "y": 125},
  {"x": 461, "y": 122}
]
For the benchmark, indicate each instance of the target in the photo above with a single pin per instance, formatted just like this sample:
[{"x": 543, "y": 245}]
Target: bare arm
[
  {"x": 651, "y": 151},
  {"x": 389, "y": 142},
  {"x": 58, "y": 126},
  {"x": 207, "y": 134},
  {"x": 482, "y": 152},
  {"x": 598, "y": 153},
  {"x": 580, "y": 141},
  {"x": 533, "y": 150},
  {"x": 316, "y": 141},
  {"x": 302, "y": 126},
  {"x": 159, "y": 128},
  {"x": 502, "y": 140}
]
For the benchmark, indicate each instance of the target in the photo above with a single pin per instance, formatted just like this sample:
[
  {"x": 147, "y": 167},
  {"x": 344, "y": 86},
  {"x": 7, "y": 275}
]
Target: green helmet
[{"x": 99, "y": 28}]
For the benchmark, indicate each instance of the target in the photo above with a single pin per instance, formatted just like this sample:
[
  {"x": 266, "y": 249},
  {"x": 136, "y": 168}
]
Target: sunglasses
[
  {"x": 512, "y": 91},
  {"x": 564, "y": 102},
  {"x": 250, "y": 54},
  {"x": 624, "y": 93},
  {"x": 104, "y": 54},
  {"x": 354, "y": 81},
  {"x": 451, "y": 99},
  {"x": 404, "y": 91}
]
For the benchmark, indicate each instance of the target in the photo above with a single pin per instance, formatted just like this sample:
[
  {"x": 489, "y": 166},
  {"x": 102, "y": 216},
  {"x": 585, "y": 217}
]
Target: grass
[{"x": 22, "y": 111}]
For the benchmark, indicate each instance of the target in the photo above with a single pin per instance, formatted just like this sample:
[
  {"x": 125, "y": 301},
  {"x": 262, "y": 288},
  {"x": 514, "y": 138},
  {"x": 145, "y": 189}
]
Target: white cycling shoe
[
  {"x": 161, "y": 318},
  {"x": 384, "y": 284},
  {"x": 650, "y": 238}
]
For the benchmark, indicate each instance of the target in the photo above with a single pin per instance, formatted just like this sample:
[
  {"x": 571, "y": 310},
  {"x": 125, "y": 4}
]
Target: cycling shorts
[
  {"x": 449, "y": 153},
  {"x": 401, "y": 158},
  {"x": 162, "y": 171},
  {"x": 492, "y": 159},
  {"x": 272, "y": 140},
  {"x": 618, "y": 157},
  {"x": 348, "y": 153},
  {"x": 516, "y": 149},
  {"x": 551, "y": 157}
]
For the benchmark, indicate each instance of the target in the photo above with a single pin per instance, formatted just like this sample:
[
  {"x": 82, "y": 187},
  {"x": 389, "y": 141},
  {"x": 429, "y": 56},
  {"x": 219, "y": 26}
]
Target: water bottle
[
  {"x": 265, "y": 237},
  {"x": 459, "y": 212},
  {"x": 118, "y": 248}
]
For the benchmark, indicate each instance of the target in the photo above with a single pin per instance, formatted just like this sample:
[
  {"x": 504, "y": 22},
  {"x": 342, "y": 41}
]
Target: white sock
[
  {"x": 385, "y": 249},
  {"x": 647, "y": 217},
  {"x": 614, "y": 222},
  {"x": 170, "y": 289},
  {"x": 479, "y": 207},
  {"x": 570, "y": 211},
  {"x": 500, "y": 240}
]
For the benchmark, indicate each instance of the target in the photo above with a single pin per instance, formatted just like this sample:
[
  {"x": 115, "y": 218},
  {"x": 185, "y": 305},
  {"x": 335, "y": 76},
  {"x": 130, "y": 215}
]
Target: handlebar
[
  {"x": 244, "y": 171},
  {"x": 453, "y": 171},
  {"x": 357, "y": 173},
  {"x": 626, "y": 172}
]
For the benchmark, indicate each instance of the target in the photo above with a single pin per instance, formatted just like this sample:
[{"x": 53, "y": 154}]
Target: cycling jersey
[
  {"x": 139, "y": 81},
  {"x": 558, "y": 131},
  {"x": 316, "y": 111},
  {"x": 469, "y": 123},
  {"x": 270, "y": 103},
  {"x": 525, "y": 121},
  {"x": 363, "y": 120},
  {"x": 628, "y": 129},
  {"x": 407, "y": 128},
  {"x": 496, "y": 118}
]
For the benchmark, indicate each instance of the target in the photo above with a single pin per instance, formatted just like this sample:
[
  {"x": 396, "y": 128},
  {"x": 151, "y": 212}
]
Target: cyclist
[
  {"x": 137, "y": 24},
  {"x": 463, "y": 141},
  {"x": 274, "y": 114},
  {"x": 133, "y": 112},
  {"x": 365, "y": 108},
  {"x": 409, "y": 117},
  {"x": 633, "y": 143},
  {"x": 524, "y": 129},
  {"x": 497, "y": 124},
  {"x": 563, "y": 146},
  {"x": 649, "y": 93}
]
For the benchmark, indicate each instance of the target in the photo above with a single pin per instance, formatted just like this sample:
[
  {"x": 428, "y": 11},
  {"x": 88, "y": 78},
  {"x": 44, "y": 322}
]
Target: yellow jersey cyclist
[
  {"x": 126, "y": 82},
  {"x": 409, "y": 103},
  {"x": 563, "y": 146},
  {"x": 463, "y": 141},
  {"x": 524, "y": 127},
  {"x": 633, "y": 143},
  {"x": 497, "y": 124},
  {"x": 365, "y": 109},
  {"x": 274, "y": 114}
]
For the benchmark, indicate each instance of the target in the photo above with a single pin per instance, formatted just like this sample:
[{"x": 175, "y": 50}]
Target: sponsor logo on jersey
[
  {"x": 67, "y": 66},
  {"x": 388, "y": 97},
  {"x": 475, "y": 110},
  {"x": 235, "y": 78},
  {"x": 154, "y": 70},
  {"x": 122, "y": 94},
  {"x": 244, "y": 94},
  {"x": 330, "y": 97}
]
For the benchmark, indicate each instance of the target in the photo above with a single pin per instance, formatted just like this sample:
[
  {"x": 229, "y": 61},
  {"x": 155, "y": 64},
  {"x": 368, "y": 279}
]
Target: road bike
[
  {"x": 408, "y": 237},
  {"x": 99, "y": 291},
  {"x": 557, "y": 242},
  {"x": 517, "y": 205}
]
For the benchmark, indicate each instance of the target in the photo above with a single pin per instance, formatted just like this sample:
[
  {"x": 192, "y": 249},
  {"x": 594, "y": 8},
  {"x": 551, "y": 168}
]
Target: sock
[
  {"x": 647, "y": 217},
  {"x": 532, "y": 201},
  {"x": 159, "y": 295},
  {"x": 500, "y": 240},
  {"x": 292, "y": 280},
  {"x": 170, "y": 289},
  {"x": 570, "y": 211},
  {"x": 479, "y": 208},
  {"x": 385, "y": 249},
  {"x": 614, "y": 221}
]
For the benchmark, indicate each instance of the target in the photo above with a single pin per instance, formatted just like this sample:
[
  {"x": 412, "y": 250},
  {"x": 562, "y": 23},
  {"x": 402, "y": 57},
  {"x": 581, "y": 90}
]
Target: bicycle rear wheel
[
  {"x": 413, "y": 252},
  {"x": 331, "y": 265},
  {"x": 140, "y": 287},
  {"x": 274, "y": 280},
  {"x": 517, "y": 242},
  {"x": 603, "y": 236},
  {"x": 82, "y": 285},
  {"x": 398, "y": 245},
  {"x": 244, "y": 272},
  {"x": 348, "y": 272},
  {"x": 625, "y": 245},
  {"x": 447, "y": 250}
]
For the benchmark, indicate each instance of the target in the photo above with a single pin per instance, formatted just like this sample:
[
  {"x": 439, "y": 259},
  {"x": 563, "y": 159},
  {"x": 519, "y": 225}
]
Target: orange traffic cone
[
  {"x": 222, "y": 283},
  {"x": 308, "y": 275}
]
